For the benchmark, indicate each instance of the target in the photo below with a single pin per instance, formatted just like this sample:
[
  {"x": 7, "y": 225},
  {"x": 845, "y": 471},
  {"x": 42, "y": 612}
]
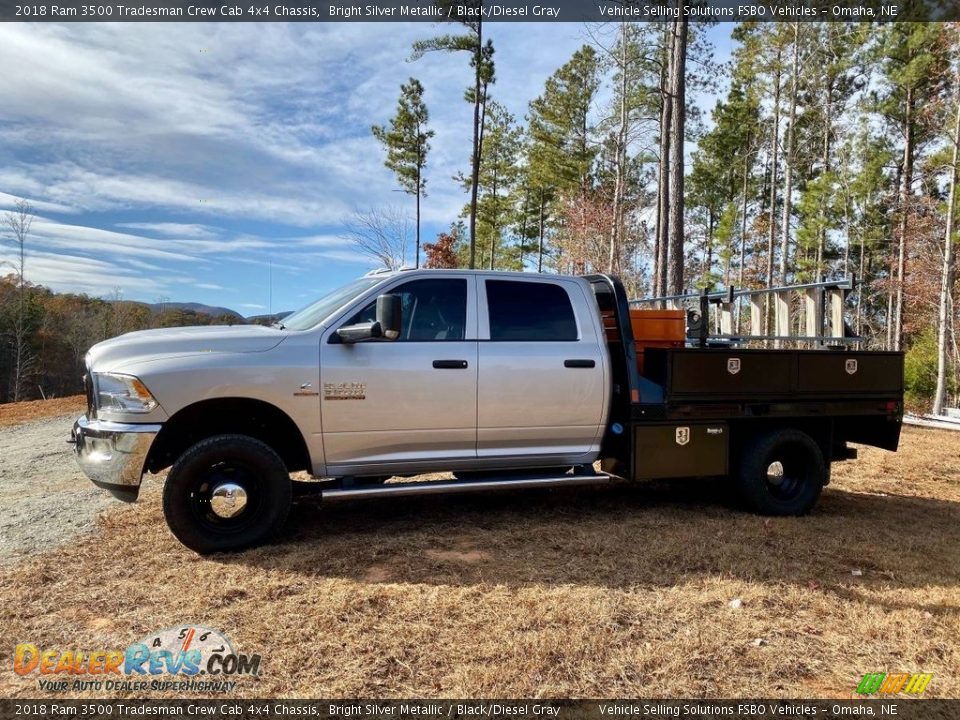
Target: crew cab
[{"x": 503, "y": 379}]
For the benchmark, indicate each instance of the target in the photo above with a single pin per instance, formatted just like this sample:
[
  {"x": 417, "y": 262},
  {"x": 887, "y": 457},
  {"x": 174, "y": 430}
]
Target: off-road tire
[
  {"x": 797, "y": 489},
  {"x": 238, "y": 459}
]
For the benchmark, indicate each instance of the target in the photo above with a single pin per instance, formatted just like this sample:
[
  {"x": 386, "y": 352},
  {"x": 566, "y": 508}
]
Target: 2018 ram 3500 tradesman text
[{"x": 504, "y": 379}]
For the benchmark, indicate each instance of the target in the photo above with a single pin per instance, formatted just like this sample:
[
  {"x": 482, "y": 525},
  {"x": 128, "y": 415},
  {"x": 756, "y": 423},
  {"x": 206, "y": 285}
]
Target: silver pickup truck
[{"x": 503, "y": 379}]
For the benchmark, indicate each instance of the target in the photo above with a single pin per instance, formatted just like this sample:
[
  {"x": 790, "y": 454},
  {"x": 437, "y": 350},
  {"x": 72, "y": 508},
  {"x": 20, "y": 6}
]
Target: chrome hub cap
[
  {"x": 775, "y": 474},
  {"x": 228, "y": 500}
]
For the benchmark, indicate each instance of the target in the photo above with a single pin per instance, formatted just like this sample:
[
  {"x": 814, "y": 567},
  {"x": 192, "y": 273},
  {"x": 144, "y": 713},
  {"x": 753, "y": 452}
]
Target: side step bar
[{"x": 460, "y": 486}]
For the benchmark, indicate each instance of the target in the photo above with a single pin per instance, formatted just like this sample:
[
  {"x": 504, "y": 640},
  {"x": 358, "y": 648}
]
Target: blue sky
[{"x": 180, "y": 161}]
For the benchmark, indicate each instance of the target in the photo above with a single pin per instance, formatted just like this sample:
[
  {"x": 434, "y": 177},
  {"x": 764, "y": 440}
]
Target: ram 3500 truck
[{"x": 503, "y": 379}]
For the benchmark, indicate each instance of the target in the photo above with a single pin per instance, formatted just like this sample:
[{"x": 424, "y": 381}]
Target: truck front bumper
[{"x": 112, "y": 454}]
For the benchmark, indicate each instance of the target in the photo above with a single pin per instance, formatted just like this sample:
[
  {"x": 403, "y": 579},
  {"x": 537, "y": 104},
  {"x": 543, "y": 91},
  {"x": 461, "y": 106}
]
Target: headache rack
[{"x": 809, "y": 314}]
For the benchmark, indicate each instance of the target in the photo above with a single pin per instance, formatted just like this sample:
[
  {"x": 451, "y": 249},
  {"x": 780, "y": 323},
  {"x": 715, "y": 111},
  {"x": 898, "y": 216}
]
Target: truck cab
[{"x": 487, "y": 370}]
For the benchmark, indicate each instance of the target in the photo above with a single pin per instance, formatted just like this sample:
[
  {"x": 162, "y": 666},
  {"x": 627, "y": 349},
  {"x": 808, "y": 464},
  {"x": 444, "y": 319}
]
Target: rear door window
[{"x": 529, "y": 312}]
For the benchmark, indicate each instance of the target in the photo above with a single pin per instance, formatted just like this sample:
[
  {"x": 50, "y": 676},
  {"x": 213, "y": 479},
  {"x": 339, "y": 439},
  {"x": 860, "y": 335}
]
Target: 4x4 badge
[
  {"x": 851, "y": 366},
  {"x": 733, "y": 365}
]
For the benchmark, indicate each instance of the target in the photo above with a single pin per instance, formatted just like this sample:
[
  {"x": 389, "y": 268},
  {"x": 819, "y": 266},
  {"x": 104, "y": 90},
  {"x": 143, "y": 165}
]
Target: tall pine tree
[{"x": 407, "y": 141}]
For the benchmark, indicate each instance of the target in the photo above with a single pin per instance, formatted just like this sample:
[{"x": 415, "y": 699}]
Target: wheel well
[
  {"x": 243, "y": 416},
  {"x": 820, "y": 429}
]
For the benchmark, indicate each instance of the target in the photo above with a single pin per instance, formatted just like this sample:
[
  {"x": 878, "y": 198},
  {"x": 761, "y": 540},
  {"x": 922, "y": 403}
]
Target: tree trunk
[
  {"x": 772, "y": 210},
  {"x": 677, "y": 121},
  {"x": 946, "y": 279},
  {"x": 475, "y": 170},
  {"x": 540, "y": 245},
  {"x": 495, "y": 230},
  {"x": 743, "y": 229},
  {"x": 523, "y": 222},
  {"x": 621, "y": 152},
  {"x": 419, "y": 190},
  {"x": 789, "y": 159},
  {"x": 743, "y": 217},
  {"x": 904, "y": 220},
  {"x": 863, "y": 265},
  {"x": 663, "y": 186},
  {"x": 821, "y": 232}
]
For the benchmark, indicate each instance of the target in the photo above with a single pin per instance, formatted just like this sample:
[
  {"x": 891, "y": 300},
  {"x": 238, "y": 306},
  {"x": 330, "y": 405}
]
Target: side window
[
  {"x": 526, "y": 311},
  {"x": 433, "y": 309}
]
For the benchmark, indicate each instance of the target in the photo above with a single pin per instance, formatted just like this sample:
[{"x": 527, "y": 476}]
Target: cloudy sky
[{"x": 182, "y": 160}]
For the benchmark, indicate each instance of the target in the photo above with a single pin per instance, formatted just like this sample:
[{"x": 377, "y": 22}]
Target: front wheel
[
  {"x": 227, "y": 492},
  {"x": 781, "y": 473}
]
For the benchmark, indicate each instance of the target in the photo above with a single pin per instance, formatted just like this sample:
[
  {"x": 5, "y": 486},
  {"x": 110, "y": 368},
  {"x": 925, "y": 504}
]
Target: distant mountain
[{"x": 197, "y": 308}]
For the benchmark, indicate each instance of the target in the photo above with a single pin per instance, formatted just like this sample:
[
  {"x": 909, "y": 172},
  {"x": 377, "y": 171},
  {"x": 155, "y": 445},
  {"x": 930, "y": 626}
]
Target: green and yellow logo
[{"x": 893, "y": 683}]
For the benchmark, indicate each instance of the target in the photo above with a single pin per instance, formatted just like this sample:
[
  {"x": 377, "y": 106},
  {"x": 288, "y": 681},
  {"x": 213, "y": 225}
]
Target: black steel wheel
[
  {"x": 227, "y": 492},
  {"x": 781, "y": 472}
]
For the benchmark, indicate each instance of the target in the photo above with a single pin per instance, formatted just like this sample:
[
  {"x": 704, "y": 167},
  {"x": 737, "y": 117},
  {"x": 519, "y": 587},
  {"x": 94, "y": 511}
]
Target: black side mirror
[
  {"x": 360, "y": 331},
  {"x": 389, "y": 316}
]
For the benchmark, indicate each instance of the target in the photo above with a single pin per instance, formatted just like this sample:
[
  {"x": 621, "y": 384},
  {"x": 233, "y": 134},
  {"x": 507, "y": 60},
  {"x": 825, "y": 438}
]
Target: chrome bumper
[{"x": 112, "y": 454}]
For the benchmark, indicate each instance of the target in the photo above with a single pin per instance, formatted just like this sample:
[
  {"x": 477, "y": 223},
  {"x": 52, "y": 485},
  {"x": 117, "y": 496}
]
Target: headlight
[{"x": 122, "y": 393}]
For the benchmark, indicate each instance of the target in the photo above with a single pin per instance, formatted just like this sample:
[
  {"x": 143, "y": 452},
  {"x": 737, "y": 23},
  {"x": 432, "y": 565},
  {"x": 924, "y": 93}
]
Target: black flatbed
[{"x": 712, "y": 397}]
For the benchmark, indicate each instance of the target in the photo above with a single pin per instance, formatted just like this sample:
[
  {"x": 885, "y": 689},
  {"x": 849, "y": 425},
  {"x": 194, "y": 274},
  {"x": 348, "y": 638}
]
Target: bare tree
[
  {"x": 382, "y": 234},
  {"x": 19, "y": 222}
]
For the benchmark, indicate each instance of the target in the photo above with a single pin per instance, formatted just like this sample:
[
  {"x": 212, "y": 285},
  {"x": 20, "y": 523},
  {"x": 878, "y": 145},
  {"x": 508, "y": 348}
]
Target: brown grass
[
  {"x": 32, "y": 410},
  {"x": 597, "y": 593}
]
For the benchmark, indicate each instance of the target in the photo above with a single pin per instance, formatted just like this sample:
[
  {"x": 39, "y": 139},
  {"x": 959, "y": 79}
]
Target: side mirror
[
  {"x": 360, "y": 331},
  {"x": 389, "y": 316}
]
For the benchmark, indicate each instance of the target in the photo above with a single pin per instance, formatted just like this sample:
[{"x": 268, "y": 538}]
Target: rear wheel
[
  {"x": 781, "y": 473},
  {"x": 227, "y": 492}
]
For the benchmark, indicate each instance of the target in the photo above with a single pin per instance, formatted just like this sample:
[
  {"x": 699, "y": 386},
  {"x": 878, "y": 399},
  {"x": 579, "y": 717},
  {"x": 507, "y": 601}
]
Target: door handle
[
  {"x": 450, "y": 364},
  {"x": 579, "y": 363}
]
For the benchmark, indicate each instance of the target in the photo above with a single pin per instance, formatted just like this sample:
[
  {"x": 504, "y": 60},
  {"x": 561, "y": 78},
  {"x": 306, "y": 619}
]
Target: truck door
[
  {"x": 541, "y": 391},
  {"x": 399, "y": 404}
]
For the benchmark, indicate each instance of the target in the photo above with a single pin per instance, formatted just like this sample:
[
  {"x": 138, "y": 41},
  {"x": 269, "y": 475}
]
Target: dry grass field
[{"x": 654, "y": 591}]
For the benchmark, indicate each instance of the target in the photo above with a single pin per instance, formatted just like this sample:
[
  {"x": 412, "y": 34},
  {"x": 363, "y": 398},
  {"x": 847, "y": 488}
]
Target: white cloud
[
  {"x": 172, "y": 229},
  {"x": 9, "y": 202},
  {"x": 66, "y": 272}
]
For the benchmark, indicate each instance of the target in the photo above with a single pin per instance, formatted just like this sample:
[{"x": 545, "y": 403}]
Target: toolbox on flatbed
[{"x": 748, "y": 374}]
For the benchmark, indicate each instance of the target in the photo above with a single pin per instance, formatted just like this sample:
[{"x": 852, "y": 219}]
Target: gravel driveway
[{"x": 45, "y": 500}]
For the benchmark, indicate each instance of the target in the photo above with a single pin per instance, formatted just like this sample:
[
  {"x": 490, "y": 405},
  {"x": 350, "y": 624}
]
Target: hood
[{"x": 167, "y": 342}]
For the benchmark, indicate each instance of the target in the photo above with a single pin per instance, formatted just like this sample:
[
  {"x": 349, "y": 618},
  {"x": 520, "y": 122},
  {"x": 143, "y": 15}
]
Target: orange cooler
[{"x": 658, "y": 329}]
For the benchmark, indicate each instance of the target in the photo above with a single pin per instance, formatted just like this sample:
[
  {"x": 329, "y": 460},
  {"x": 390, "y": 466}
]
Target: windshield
[{"x": 312, "y": 314}]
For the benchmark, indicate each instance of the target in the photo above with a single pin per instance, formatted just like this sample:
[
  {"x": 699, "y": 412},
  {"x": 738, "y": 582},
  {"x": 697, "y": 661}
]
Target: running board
[{"x": 460, "y": 486}]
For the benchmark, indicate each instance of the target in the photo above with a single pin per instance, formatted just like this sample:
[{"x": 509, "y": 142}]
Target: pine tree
[
  {"x": 721, "y": 176},
  {"x": 499, "y": 175},
  {"x": 481, "y": 60},
  {"x": 561, "y": 154},
  {"x": 407, "y": 141},
  {"x": 911, "y": 62}
]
